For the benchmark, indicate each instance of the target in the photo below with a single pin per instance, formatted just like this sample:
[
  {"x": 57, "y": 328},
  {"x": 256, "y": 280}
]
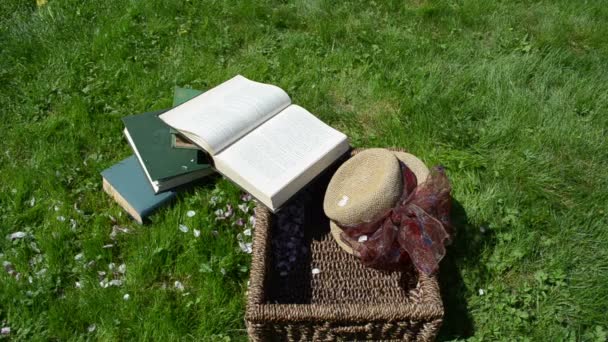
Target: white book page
[
  {"x": 275, "y": 160},
  {"x": 222, "y": 115}
]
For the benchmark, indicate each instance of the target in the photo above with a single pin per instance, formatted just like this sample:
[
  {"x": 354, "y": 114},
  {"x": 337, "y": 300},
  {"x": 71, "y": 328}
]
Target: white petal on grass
[
  {"x": 196, "y": 232},
  {"x": 115, "y": 282},
  {"x": 5, "y": 331},
  {"x": 34, "y": 247},
  {"x": 183, "y": 228},
  {"x": 118, "y": 230},
  {"x": 56, "y": 208},
  {"x": 78, "y": 285},
  {"x": 32, "y": 201},
  {"x": 223, "y": 271},
  {"x": 78, "y": 256},
  {"x": 246, "y": 247},
  {"x": 91, "y": 328},
  {"x": 111, "y": 266},
  {"x": 122, "y": 268},
  {"x": 126, "y": 296},
  {"x": 179, "y": 286},
  {"x": 60, "y": 218},
  {"x": 191, "y": 213},
  {"x": 107, "y": 246},
  {"x": 482, "y": 292},
  {"x": 18, "y": 235},
  {"x": 247, "y": 232},
  {"x": 316, "y": 271}
]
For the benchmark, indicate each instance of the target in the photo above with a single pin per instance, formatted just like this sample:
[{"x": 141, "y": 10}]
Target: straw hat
[{"x": 365, "y": 186}]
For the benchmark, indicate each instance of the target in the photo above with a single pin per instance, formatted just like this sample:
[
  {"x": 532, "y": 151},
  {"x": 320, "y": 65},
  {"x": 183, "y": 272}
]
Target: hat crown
[{"x": 364, "y": 186}]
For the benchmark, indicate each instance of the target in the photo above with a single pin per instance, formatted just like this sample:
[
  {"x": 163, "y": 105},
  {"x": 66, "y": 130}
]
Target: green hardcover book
[
  {"x": 126, "y": 184},
  {"x": 181, "y": 95},
  {"x": 164, "y": 166}
]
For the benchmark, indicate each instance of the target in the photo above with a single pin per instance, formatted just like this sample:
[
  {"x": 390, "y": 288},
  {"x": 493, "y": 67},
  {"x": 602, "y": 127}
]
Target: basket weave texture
[{"x": 346, "y": 301}]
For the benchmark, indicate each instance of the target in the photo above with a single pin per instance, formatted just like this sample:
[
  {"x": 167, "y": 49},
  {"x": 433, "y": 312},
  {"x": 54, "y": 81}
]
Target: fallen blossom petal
[
  {"x": 111, "y": 266},
  {"x": 78, "y": 285},
  {"x": 34, "y": 247},
  {"x": 228, "y": 213},
  {"x": 107, "y": 246},
  {"x": 32, "y": 201},
  {"x": 5, "y": 331},
  {"x": 115, "y": 282},
  {"x": 244, "y": 207},
  {"x": 60, "y": 218},
  {"x": 247, "y": 232},
  {"x": 183, "y": 228},
  {"x": 78, "y": 256},
  {"x": 240, "y": 222},
  {"x": 118, "y": 230},
  {"x": 482, "y": 292},
  {"x": 222, "y": 271},
  {"x": 91, "y": 328},
  {"x": 191, "y": 213},
  {"x": 362, "y": 238},
  {"x": 179, "y": 286},
  {"x": 18, "y": 235},
  {"x": 196, "y": 232},
  {"x": 126, "y": 296},
  {"x": 316, "y": 271},
  {"x": 246, "y": 247},
  {"x": 122, "y": 268},
  {"x": 252, "y": 220}
]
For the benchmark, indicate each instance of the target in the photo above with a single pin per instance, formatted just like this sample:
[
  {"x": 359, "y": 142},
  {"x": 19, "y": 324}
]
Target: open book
[{"x": 257, "y": 138}]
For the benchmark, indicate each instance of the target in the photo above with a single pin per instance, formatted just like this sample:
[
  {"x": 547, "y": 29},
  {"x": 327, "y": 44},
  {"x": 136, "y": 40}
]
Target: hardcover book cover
[
  {"x": 151, "y": 142},
  {"x": 127, "y": 184}
]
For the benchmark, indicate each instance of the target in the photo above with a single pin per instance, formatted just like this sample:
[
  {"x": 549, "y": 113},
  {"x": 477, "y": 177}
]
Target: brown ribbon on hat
[{"x": 416, "y": 228}]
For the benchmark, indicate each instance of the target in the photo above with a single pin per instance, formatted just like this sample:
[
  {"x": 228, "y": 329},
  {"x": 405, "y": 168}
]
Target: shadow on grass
[{"x": 465, "y": 250}]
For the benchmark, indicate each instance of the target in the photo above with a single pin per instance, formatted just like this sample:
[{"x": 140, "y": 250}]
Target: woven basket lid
[{"x": 365, "y": 186}]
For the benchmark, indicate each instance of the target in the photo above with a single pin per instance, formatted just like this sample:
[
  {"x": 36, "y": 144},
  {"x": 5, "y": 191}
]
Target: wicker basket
[{"x": 345, "y": 301}]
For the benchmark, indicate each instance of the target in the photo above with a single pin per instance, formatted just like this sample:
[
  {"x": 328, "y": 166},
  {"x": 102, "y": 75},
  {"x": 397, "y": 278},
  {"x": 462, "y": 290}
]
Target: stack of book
[{"x": 247, "y": 131}]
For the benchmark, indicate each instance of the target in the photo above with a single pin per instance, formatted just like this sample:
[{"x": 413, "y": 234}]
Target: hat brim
[{"x": 413, "y": 163}]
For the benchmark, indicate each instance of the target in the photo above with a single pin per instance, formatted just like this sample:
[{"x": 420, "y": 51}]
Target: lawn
[{"x": 510, "y": 96}]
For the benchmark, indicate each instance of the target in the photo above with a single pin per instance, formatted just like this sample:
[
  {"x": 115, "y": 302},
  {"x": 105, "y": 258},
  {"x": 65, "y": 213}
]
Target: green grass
[{"x": 510, "y": 96}]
